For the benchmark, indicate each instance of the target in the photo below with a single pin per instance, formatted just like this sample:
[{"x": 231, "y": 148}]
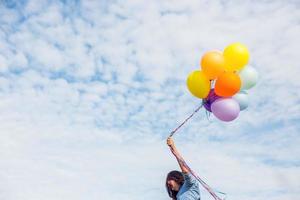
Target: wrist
[{"x": 174, "y": 150}]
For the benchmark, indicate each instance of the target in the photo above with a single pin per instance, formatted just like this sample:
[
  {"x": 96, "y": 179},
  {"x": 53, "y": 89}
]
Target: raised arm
[{"x": 177, "y": 155}]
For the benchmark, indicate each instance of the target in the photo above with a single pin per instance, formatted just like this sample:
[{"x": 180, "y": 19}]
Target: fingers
[{"x": 170, "y": 141}]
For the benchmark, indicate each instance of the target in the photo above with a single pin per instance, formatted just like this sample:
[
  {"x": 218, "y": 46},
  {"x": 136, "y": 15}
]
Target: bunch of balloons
[{"x": 223, "y": 80}]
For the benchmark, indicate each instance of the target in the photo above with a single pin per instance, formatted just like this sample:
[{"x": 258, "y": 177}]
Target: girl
[{"x": 181, "y": 185}]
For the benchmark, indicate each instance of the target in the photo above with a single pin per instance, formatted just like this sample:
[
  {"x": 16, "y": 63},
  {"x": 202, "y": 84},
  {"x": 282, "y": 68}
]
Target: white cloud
[
  {"x": 19, "y": 61},
  {"x": 3, "y": 63}
]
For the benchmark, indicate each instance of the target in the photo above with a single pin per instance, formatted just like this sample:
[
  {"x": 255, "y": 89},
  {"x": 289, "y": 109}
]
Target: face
[{"x": 173, "y": 185}]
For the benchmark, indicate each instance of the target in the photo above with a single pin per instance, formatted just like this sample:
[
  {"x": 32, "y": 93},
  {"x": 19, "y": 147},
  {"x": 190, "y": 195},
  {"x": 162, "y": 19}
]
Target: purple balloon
[
  {"x": 225, "y": 109},
  {"x": 212, "y": 96}
]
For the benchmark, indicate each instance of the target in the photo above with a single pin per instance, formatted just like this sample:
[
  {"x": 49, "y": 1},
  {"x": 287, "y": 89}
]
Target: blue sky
[{"x": 89, "y": 91}]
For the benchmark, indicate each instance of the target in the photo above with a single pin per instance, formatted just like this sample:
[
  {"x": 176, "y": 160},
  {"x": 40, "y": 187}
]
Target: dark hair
[{"x": 178, "y": 178}]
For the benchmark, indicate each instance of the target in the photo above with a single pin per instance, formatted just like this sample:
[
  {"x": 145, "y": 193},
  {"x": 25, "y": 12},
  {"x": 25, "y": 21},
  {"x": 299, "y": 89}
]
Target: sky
[{"x": 90, "y": 90}]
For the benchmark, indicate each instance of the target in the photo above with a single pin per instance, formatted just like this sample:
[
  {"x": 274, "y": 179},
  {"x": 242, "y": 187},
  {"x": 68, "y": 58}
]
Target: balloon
[
  {"x": 242, "y": 99},
  {"x": 236, "y": 56},
  {"x": 213, "y": 64},
  {"x": 249, "y": 77},
  {"x": 212, "y": 96},
  {"x": 225, "y": 109},
  {"x": 228, "y": 84},
  {"x": 198, "y": 84}
]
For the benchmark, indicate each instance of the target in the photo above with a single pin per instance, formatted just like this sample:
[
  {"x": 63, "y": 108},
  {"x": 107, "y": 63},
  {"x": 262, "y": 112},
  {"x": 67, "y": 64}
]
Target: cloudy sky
[{"x": 89, "y": 91}]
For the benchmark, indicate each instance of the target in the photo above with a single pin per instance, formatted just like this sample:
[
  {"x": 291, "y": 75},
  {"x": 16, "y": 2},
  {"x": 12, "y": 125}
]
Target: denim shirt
[{"x": 190, "y": 189}]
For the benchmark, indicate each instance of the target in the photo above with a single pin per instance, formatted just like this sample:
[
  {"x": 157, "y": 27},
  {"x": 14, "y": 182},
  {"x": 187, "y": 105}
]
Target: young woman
[{"x": 181, "y": 185}]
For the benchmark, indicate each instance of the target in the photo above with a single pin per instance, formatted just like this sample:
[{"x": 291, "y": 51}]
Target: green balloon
[{"x": 249, "y": 77}]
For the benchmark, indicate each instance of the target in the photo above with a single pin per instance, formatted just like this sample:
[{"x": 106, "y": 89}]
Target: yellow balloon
[
  {"x": 236, "y": 57},
  {"x": 198, "y": 84}
]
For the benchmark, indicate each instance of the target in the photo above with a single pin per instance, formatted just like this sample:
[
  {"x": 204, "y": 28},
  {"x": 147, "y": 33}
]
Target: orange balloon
[
  {"x": 228, "y": 84},
  {"x": 213, "y": 64}
]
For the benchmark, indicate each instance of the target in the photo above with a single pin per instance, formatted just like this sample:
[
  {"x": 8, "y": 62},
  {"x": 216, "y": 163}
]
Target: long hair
[{"x": 178, "y": 178}]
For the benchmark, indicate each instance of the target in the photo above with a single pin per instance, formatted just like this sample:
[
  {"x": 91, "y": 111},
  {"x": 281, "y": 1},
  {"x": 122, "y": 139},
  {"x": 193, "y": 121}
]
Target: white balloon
[{"x": 249, "y": 77}]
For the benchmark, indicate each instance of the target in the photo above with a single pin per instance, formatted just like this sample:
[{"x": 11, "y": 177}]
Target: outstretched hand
[{"x": 179, "y": 158}]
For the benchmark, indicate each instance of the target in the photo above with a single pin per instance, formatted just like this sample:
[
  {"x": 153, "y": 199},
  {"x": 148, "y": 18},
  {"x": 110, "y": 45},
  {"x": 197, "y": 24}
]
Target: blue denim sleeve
[{"x": 189, "y": 179}]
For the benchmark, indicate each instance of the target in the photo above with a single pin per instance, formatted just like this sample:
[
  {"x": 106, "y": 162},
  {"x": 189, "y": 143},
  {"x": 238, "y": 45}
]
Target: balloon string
[
  {"x": 205, "y": 185},
  {"x": 176, "y": 129}
]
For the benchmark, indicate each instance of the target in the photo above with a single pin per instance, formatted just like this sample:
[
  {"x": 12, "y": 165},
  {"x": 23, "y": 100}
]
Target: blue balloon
[{"x": 242, "y": 99}]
